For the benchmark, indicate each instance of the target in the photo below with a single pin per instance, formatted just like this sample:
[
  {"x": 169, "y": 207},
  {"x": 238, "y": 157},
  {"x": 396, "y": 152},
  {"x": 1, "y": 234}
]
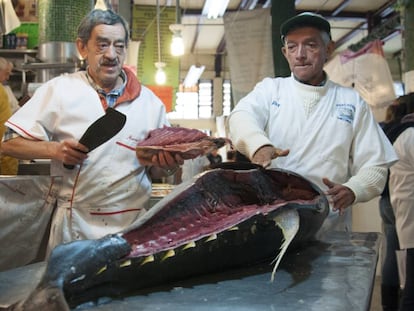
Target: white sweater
[{"x": 329, "y": 130}]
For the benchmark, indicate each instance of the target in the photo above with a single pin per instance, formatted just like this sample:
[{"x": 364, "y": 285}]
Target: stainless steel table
[{"x": 335, "y": 274}]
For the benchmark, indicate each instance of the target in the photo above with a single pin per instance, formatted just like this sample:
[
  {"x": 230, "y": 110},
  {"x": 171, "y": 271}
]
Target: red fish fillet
[{"x": 189, "y": 143}]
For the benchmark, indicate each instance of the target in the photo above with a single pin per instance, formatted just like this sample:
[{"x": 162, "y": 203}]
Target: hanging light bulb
[
  {"x": 160, "y": 76},
  {"x": 177, "y": 44}
]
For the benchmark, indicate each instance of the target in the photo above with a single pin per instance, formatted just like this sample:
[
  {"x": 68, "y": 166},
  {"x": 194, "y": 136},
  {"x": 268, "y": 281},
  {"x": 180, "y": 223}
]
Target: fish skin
[{"x": 116, "y": 265}]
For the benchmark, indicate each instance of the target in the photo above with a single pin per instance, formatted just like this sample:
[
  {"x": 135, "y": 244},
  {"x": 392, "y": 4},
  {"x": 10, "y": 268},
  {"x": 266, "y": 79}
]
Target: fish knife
[{"x": 102, "y": 130}]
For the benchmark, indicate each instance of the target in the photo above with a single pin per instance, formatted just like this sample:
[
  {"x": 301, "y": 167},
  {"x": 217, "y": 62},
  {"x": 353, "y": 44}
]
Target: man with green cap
[{"x": 310, "y": 125}]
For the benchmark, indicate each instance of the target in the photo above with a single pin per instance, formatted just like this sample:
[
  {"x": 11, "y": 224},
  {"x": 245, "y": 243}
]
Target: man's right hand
[
  {"x": 264, "y": 155},
  {"x": 71, "y": 152}
]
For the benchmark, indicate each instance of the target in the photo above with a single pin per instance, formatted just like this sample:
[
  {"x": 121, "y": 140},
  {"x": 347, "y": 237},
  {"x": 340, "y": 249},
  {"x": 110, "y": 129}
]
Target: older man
[
  {"x": 50, "y": 124},
  {"x": 310, "y": 125}
]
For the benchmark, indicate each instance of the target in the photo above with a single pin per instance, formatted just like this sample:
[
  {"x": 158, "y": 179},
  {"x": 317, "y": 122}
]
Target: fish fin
[{"x": 288, "y": 222}]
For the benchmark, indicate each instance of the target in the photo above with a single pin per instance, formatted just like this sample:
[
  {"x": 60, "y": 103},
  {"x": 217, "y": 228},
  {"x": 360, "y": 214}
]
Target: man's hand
[
  {"x": 163, "y": 159},
  {"x": 71, "y": 152},
  {"x": 339, "y": 196},
  {"x": 264, "y": 155}
]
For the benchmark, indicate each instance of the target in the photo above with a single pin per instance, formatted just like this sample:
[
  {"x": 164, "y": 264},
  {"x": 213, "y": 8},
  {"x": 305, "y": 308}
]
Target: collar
[
  {"x": 325, "y": 78},
  {"x": 115, "y": 91},
  {"x": 131, "y": 88}
]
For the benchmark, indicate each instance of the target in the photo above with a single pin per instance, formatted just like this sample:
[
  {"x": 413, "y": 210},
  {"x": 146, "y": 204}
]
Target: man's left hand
[
  {"x": 162, "y": 164},
  {"x": 339, "y": 196}
]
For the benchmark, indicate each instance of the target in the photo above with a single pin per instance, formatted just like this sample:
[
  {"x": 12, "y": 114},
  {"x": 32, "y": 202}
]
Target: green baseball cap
[{"x": 303, "y": 20}]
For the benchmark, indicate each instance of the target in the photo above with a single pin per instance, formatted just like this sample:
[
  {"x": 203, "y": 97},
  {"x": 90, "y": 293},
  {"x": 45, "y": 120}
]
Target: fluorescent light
[
  {"x": 160, "y": 76},
  {"x": 193, "y": 76},
  {"x": 215, "y": 8}
]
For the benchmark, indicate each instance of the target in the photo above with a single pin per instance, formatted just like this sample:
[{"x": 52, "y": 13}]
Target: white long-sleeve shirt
[{"x": 329, "y": 130}]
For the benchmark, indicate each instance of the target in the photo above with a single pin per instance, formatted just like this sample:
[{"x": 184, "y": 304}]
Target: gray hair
[
  {"x": 326, "y": 38},
  {"x": 99, "y": 17}
]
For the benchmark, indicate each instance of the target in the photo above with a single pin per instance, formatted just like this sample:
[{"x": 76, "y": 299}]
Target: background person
[
  {"x": 310, "y": 125},
  {"x": 401, "y": 187},
  {"x": 6, "y": 68},
  {"x": 8, "y": 165},
  {"x": 390, "y": 282},
  {"x": 5, "y": 113},
  {"x": 49, "y": 125}
]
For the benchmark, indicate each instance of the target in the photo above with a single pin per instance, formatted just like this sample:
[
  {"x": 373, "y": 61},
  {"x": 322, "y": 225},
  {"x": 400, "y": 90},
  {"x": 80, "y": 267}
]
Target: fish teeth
[
  {"x": 168, "y": 254},
  {"x": 80, "y": 278},
  {"x": 147, "y": 259},
  {"x": 101, "y": 270},
  {"x": 211, "y": 238},
  {"x": 253, "y": 229},
  {"x": 235, "y": 228},
  {"x": 189, "y": 245}
]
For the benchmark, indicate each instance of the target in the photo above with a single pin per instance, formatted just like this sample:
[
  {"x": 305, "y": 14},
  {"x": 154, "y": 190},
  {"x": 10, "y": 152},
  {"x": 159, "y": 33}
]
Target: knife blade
[{"x": 102, "y": 130}]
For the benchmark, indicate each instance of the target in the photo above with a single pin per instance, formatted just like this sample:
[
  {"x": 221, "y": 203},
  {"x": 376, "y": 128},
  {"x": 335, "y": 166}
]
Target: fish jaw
[{"x": 68, "y": 263}]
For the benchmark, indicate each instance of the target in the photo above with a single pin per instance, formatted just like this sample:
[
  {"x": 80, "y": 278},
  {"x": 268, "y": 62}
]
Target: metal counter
[
  {"x": 37, "y": 167},
  {"x": 334, "y": 274},
  {"x": 26, "y": 206}
]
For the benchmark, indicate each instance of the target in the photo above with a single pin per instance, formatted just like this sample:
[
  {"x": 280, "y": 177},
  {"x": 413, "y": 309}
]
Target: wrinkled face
[
  {"x": 105, "y": 53},
  {"x": 306, "y": 53}
]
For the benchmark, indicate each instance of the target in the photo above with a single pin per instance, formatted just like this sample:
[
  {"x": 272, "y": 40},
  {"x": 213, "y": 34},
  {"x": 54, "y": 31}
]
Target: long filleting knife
[{"x": 102, "y": 130}]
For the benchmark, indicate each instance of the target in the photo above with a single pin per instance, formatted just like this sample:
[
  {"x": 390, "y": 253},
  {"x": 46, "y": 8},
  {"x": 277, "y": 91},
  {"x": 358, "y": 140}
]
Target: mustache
[{"x": 107, "y": 62}]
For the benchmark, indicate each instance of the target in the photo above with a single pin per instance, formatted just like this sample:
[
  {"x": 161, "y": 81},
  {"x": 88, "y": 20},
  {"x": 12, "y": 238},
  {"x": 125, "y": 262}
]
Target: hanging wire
[
  {"x": 158, "y": 31},
  {"x": 177, "y": 12}
]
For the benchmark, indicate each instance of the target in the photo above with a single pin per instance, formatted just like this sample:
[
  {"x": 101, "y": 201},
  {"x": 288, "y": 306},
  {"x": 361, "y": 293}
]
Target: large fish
[{"x": 225, "y": 218}]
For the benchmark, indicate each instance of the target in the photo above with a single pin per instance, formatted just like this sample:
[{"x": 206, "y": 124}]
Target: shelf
[
  {"x": 17, "y": 51},
  {"x": 31, "y": 66},
  {"x": 14, "y": 53}
]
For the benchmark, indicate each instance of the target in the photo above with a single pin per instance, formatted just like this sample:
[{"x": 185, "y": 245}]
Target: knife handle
[{"x": 70, "y": 166}]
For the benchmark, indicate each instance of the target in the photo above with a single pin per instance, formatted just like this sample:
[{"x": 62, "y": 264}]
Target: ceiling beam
[
  {"x": 197, "y": 34},
  {"x": 221, "y": 48},
  {"x": 341, "y": 7},
  {"x": 389, "y": 27},
  {"x": 348, "y": 36}
]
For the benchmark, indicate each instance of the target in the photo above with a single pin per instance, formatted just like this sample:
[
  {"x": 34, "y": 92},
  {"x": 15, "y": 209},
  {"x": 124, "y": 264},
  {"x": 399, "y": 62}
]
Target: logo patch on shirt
[
  {"x": 275, "y": 103},
  {"x": 129, "y": 142},
  {"x": 345, "y": 112}
]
